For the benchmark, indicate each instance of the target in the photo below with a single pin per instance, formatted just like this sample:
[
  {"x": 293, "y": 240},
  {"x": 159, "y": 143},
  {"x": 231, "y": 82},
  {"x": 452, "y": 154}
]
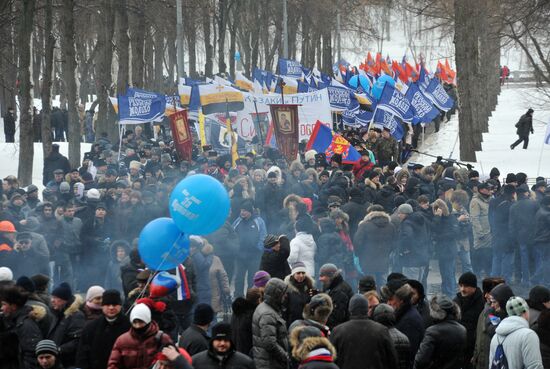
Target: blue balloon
[
  {"x": 364, "y": 82},
  {"x": 354, "y": 81},
  {"x": 199, "y": 204},
  {"x": 162, "y": 246},
  {"x": 379, "y": 85}
]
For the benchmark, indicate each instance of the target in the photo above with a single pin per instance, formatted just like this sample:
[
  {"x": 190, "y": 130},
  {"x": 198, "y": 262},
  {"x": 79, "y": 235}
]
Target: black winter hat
[
  {"x": 203, "y": 314},
  {"x": 111, "y": 297},
  {"x": 494, "y": 173},
  {"x": 26, "y": 284},
  {"x": 366, "y": 284},
  {"x": 14, "y": 295},
  {"x": 417, "y": 286},
  {"x": 468, "y": 279},
  {"x": 521, "y": 177},
  {"x": 247, "y": 205},
  {"x": 358, "y": 306},
  {"x": 502, "y": 294},
  {"x": 221, "y": 331},
  {"x": 63, "y": 291},
  {"x": 40, "y": 281},
  {"x": 508, "y": 189},
  {"x": 511, "y": 177},
  {"x": 539, "y": 294}
]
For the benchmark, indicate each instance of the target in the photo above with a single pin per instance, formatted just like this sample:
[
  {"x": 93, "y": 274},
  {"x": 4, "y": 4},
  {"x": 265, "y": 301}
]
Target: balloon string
[{"x": 150, "y": 279}]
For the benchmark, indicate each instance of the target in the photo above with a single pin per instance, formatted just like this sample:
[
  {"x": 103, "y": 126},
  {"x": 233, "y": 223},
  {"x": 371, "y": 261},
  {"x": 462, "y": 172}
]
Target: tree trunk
[
  {"x": 149, "y": 60},
  {"x": 326, "y": 65},
  {"x": 189, "y": 25},
  {"x": 159, "y": 59},
  {"x": 137, "y": 32},
  {"x": 69, "y": 75},
  {"x": 122, "y": 44},
  {"x": 466, "y": 50},
  {"x": 38, "y": 42},
  {"x": 222, "y": 23},
  {"x": 208, "y": 48},
  {"x": 106, "y": 20},
  {"x": 26, "y": 145},
  {"x": 47, "y": 80},
  {"x": 232, "y": 25}
]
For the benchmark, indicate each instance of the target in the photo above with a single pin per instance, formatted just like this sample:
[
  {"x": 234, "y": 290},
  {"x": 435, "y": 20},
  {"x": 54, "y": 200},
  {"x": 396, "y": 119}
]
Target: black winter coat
[
  {"x": 194, "y": 340},
  {"x": 52, "y": 162},
  {"x": 445, "y": 233},
  {"x": 26, "y": 332},
  {"x": 356, "y": 210},
  {"x": 97, "y": 341},
  {"x": 241, "y": 324},
  {"x": 385, "y": 198},
  {"x": 542, "y": 226},
  {"x": 413, "y": 241},
  {"x": 470, "y": 309},
  {"x": 442, "y": 347},
  {"x": 274, "y": 262},
  {"x": 331, "y": 248},
  {"x": 66, "y": 330},
  {"x": 298, "y": 295},
  {"x": 363, "y": 343},
  {"x": 374, "y": 241},
  {"x": 524, "y": 125},
  {"x": 402, "y": 347},
  {"x": 544, "y": 338},
  {"x": 233, "y": 360},
  {"x": 522, "y": 227},
  {"x": 9, "y": 124},
  {"x": 410, "y": 323},
  {"x": 340, "y": 292}
]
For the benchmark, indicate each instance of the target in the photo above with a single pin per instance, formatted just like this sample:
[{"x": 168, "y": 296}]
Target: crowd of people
[{"x": 319, "y": 264}]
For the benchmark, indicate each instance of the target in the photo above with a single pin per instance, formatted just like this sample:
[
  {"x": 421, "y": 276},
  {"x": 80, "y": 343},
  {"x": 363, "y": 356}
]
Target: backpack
[{"x": 499, "y": 360}]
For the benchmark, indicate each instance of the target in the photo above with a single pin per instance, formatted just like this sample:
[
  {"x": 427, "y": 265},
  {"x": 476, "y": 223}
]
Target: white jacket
[
  {"x": 521, "y": 344},
  {"x": 303, "y": 248}
]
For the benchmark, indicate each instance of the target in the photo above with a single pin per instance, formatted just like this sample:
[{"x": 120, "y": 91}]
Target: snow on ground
[
  {"x": 512, "y": 103},
  {"x": 9, "y": 162}
]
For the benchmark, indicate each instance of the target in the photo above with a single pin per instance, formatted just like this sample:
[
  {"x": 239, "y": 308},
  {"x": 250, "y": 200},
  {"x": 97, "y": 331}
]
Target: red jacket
[
  {"x": 361, "y": 167},
  {"x": 134, "y": 352}
]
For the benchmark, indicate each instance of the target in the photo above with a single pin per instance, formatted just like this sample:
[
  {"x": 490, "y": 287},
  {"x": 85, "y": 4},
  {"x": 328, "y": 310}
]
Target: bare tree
[
  {"x": 47, "y": 79},
  {"x": 26, "y": 146}
]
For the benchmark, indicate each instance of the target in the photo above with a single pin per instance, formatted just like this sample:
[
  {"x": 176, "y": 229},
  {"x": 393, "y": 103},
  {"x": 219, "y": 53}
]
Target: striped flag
[{"x": 184, "y": 292}]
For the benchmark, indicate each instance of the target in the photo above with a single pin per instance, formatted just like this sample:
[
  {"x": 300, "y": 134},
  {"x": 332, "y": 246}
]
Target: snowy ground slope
[
  {"x": 512, "y": 103},
  {"x": 9, "y": 159}
]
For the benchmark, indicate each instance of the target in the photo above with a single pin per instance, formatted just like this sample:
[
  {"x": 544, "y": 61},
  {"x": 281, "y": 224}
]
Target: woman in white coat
[{"x": 303, "y": 247}]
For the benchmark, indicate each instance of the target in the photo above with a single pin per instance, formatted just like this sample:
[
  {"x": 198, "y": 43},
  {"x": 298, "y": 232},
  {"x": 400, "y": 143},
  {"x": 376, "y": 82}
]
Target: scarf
[{"x": 320, "y": 354}]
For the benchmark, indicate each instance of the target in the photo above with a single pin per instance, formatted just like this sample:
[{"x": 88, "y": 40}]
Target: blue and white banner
[
  {"x": 394, "y": 101},
  {"x": 424, "y": 111},
  {"x": 139, "y": 106},
  {"x": 438, "y": 96},
  {"x": 387, "y": 119},
  {"x": 339, "y": 97},
  {"x": 290, "y": 68}
]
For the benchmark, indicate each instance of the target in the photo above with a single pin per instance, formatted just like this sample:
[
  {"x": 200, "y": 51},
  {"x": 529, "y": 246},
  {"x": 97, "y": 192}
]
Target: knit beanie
[
  {"x": 141, "y": 312},
  {"x": 261, "y": 278},
  {"x": 93, "y": 292},
  {"x": 6, "y": 274},
  {"x": 204, "y": 314},
  {"x": 468, "y": 279},
  {"x": 63, "y": 291},
  {"x": 111, "y": 297},
  {"x": 46, "y": 347},
  {"x": 298, "y": 267},
  {"x": 221, "y": 331},
  {"x": 330, "y": 270},
  {"x": 516, "y": 306},
  {"x": 358, "y": 306},
  {"x": 404, "y": 209},
  {"x": 26, "y": 284}
]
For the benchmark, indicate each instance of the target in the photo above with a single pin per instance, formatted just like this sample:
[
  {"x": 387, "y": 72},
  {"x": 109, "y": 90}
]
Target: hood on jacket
[
  {"x": 306, "y": 239},
  {"x": 502, "y": 294},
  {"x": 242, "y": 306},
  {"x": 510, "y": 325},
  {"x": 274, "y": 292},
  {"x": 319, "y": 308},
  {"x": 307, "y": 345},
  {"x": 119, "y": 243},
  {"x": 378, "y": 218},
  {"x": 74, "y": 306}
]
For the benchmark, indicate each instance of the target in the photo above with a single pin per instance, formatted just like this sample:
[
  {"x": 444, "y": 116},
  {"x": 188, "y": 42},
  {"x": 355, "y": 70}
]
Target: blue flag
[
  {"x": 424, "y": 111},
  {"x": 339, "y": 97},
  {"x": 139, "y": 106},
  {"x": 394, "y": 101},
  {"x": 322, "y": 139},
  {"x": 290, "y": 68},
  {"x": 387, "y": 119},
  {"x": 438, "y": 96}
]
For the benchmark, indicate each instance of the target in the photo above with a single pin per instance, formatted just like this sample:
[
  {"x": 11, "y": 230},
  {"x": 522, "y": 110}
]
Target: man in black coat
[
  {"x": 221, "y": 354},
  {"x": 471, "y": 302},
  {"x": 20, "y": 326},
  {"x": 9, "y": 125},
  {"x": 524, "y": 126},
  {"x": 361, "y": 342},
  {"x": 52, "y": 162},
  {"x": 99, "y": 336},
  {"x": 339, "y": 291},
  {"x": 274, "y": 258},
  {"x": 195, "y": 338}
]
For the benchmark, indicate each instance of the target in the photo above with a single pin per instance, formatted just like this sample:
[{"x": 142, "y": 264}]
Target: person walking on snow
[{"x": 524, "y": 126}]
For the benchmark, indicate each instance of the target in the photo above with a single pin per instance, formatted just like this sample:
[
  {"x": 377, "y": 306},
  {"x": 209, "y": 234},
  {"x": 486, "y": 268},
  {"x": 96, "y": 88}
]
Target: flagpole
[
  {"x": 540, "y": 157},
  {"x": 258, "y": 121}
]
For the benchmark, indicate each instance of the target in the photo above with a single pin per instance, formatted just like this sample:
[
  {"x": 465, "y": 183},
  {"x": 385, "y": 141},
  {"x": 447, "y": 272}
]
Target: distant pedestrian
[
  {"x": 524, "y": 126},
  {"x": 9, "y": 125}
]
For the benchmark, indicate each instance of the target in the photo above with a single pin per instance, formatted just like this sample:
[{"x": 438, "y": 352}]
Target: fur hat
[
  {"x": 14, "y": 295},
  {"x": 319, "y": 308},
  {"x": 111, "y": 297},
  {"x": 442, "y": 307}
]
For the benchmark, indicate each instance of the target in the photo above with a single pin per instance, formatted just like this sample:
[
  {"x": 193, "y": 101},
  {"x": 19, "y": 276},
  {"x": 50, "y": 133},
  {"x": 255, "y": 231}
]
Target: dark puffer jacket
[
  {"x": 470, "y": 308},
  {"x": 442, "y": 347},
  {"x": 298, "y": 295},
  {"x": 241, "y": 324},
  {"x": 274, "y": 262},
  {"x": 269, "y": 333},
  {"x": 331, "y": 248},
  {"x": 373, "y": 242},
  {"x": 231, "y": 360},
  {"x": 22, "y": 328},
  {"x": 410, "y": 323}
]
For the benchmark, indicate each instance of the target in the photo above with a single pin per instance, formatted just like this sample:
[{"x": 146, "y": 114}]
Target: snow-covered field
[{"x": 512, "y": 103}]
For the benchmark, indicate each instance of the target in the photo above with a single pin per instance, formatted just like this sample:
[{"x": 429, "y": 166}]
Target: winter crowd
[{"x": 320, "y": 264}]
